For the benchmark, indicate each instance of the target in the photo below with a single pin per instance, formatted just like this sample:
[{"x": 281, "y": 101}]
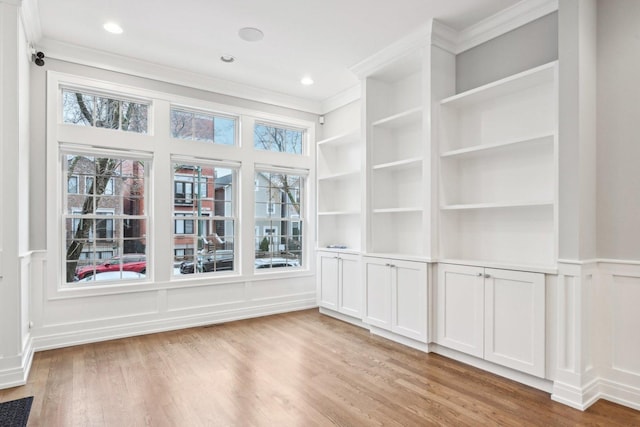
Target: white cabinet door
[
  {"x": 515, "y": 319},
  {"x": 409, "y": 299},
  {"x": 460, "y": 308},
  {"x": 328, "y": 280},
  {"x": 350, "y": 298},
  {"x": 377, "y": 277}
]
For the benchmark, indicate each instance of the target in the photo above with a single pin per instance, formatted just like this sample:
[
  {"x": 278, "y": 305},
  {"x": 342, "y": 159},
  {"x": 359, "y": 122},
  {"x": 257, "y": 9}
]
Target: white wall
[
  {"x": 618, "y": 133},
  {"x": 533, "y": 44},
  {"x": 61, "y": 319},
  {"x": 15, "y": 343}
]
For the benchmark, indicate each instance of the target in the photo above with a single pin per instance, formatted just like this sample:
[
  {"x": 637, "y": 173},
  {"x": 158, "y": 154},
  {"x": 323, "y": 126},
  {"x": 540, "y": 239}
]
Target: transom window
[
  {"x": 277, "y": 138},
  {"x": 85, "y": 109},
  {"x": 200, "y": 126}
]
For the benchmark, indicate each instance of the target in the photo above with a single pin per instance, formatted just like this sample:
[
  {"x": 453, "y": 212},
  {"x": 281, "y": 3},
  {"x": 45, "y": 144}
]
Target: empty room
[{"x": 299, "y": 213}]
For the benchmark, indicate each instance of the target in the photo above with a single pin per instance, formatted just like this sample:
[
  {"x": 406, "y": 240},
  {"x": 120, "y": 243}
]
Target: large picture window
[
  {"x": 107, "y": 218},
  {"x": 204, "y": 218},
  {"x": 278, "y": 219},
  {"x": 144, "y": 189}
]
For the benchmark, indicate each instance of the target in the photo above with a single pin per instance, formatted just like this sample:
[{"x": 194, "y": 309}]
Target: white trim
[
  {"x": 135, "y": 67},
  {"x": 17, "y": 375},
  {"x": 50, "y": 340},
  {"x": 504, "y": 21},
  {"x": 444, "y": 37},
  {"x": 341, "y": 99},
  {"x": 31, "y": 20},
  {"x": 415, "y": 40}
]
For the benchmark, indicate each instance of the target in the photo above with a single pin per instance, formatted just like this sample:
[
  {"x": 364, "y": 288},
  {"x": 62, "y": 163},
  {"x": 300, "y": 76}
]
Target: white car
[
  {"x": 113, "y": 275},
  {"x": 276, "y": 262}
]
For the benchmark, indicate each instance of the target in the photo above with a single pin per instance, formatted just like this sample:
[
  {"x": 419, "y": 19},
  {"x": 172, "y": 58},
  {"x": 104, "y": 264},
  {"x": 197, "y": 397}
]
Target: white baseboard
[
  {"x": 86, "y": 336},
  {"x": 620, "y": 393},
  {"x": 336, "y": 315},
  {"x": 399, "y": 339},
  {"x": 526, "y": 379},
  {"x": 14, "y": 371},
  {"x": 576, "y": 397}
]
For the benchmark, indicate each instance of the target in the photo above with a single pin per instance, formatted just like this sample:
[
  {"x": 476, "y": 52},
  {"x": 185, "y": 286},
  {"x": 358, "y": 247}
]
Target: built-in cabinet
[
  {"x": 463, "y": 184},
  {"x": 339, "y": 284},
  {"x": 396, "y": 296},
  {"x": 395, "y": 157},
  {"x": 339, "y": 187},
  {"x": 498, "y": 172},
  {"x": 494, "y": 314}
]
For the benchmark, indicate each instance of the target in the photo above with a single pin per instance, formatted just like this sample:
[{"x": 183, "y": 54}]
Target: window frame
[
  {"x": 210, "y": 215},
  {"x": 266, "y": 222},
  {"x": 158, "y": 145}
]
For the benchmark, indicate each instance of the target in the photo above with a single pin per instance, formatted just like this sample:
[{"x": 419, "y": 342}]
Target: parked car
[
  {"x": 218, "y": 261},
  {"x": 127, "y": 262},
  {"x": 113, "y": 275},
  {"x": 276, "y": 262}
]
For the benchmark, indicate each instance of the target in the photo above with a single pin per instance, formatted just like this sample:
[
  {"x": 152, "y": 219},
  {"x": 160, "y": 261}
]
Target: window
[
  {"x": 205, "y": 242},
  {"x": 188, "y": 188},
  {"x": 183, "y": 226},
  {"x": 84, "y": 109},
  {"x": 72, "y": 185},
  {"x": 278, "y": 222},
  {"x": 106, "y": 219},
  {"x": 206, "y": 127},
  {"x": 280, "y": 139}
]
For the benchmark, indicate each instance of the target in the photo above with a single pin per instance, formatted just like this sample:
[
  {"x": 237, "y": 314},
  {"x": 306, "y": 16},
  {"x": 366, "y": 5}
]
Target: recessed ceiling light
[
  {"x": 113, "y": 28},
  {"x": 306, "y": 80},
  {"x": 250, "y": 34},
  {"x": 227, "y": 58}
]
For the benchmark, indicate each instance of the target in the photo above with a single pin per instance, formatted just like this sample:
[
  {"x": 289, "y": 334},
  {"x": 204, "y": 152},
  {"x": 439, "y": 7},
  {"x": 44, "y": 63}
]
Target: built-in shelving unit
[
  {"x": 395, "y": 157},
  {"x": 339, "y": 190},
  {"x": 498, "y": 171}
]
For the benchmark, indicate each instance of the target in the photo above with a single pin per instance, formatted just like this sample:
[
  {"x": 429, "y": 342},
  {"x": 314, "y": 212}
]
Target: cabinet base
[
  {"x": 345, "y": 318},
  {"x": 526, "y": 379}
]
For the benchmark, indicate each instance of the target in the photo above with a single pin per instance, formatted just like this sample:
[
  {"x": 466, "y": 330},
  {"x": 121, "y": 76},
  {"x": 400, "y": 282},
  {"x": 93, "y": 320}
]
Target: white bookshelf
[
  {"x": 498, "y": 171},
  {"x": 339, "y": 189},
  {"x": 395, "y": 157}
]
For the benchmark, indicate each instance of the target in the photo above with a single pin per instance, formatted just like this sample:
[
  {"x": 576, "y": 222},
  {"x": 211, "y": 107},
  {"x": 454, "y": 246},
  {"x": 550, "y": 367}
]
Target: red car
[{"x": 128, "y": 262}]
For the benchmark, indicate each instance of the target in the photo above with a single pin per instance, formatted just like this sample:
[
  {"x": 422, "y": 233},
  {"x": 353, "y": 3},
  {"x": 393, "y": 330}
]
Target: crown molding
[
  {"x": 31, "y": 20},
  {"x": 415, "y": 40},
  {"x": 111, "y": 62},
  {"x": 444, "y": 36},
  {"x": 341, "y": 99},
  {"x": 504, "y": 21}
]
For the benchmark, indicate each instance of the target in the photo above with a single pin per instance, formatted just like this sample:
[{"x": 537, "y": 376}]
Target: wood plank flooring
[{"x": 294, "y": 369}]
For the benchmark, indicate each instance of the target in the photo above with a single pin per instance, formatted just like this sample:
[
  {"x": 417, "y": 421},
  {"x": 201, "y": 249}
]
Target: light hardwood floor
[{"x": 295, "y": 369}]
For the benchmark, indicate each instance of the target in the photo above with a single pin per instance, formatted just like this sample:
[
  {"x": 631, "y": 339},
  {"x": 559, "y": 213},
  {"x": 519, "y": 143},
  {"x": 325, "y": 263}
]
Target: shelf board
[
  {"x": 411, "y": 116},
  {"x": 337, "y": 213},
  {"x": 470, "y": 206},
  {"x": 349, "y": 250},
  {"x": 399, "y": 256},
  {"x": 517, "y": 82},
  {"x": 488, "y": 148},
  {"x": 338, "y": 176},
  {"x": 349, "y": 137},
  {"x": 400, "y": 164},
  {"x": 397, "y": 210},
  {"x": 549, "y": 269}
]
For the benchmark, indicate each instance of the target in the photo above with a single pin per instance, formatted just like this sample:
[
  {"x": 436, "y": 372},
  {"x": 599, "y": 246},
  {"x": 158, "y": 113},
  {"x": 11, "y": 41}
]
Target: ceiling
[{"x": 321, "y": 39}]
